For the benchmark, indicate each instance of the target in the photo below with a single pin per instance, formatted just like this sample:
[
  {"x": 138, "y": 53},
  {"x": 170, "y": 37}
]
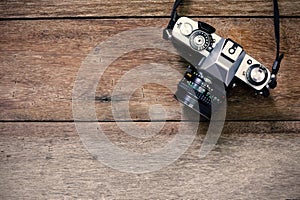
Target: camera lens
[
  {"x": 196, "y": 91},
  {"x": 186, "y": 97}
]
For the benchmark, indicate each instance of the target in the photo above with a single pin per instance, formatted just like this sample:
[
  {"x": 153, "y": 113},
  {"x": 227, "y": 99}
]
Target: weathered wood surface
[
  {"x": 257, "y": 156},
  {"x": 100, "y": 8},
  {"x": 40, "y": 61},
  {"x": 48, "y": 161}
]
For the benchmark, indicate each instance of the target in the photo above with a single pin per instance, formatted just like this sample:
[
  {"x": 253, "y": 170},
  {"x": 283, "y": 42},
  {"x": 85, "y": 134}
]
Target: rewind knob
[{"x": 257, "y": 74}]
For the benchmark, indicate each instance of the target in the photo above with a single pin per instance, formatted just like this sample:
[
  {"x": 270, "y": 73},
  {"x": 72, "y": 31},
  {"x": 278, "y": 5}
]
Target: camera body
[{"x": 216, "y": 59}]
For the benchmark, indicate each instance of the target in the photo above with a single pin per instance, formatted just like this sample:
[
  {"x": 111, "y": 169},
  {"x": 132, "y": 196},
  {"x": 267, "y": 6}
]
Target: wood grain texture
[
  {"x": 40, "y": 61},
  {"x": 99, "y": 8},
  {"x": 42, "y": 47},
  {"x": 48, "y": 161}
]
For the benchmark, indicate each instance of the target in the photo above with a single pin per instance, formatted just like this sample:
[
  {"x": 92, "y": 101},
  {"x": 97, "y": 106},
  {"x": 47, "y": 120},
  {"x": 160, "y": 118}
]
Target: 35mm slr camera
[{"x": 215, "y": 63}]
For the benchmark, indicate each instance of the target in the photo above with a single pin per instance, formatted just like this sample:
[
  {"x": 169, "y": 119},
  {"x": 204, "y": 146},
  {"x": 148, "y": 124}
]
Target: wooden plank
[
  {"x": 40, "y": 61},
  {"x": 251, "y": 160},
  {"x": 98, "y": 8}
]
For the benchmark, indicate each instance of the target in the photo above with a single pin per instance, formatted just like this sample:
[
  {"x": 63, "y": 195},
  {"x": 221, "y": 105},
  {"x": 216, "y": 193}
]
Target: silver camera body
[{"x": 222, "y": 58}]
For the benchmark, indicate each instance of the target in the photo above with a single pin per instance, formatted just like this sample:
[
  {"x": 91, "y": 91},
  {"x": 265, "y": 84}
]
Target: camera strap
[
  {"x": 279, "y": 57},
  {"x": 174, "y": 15}
]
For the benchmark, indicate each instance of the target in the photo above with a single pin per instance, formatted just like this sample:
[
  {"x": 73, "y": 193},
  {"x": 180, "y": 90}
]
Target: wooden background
[{"x": 43, "y": 44}]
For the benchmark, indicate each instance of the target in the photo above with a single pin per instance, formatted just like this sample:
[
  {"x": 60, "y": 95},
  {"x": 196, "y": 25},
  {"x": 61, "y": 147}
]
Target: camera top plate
[
  {"x": 253, "y": 73},
  {"x": 188, "y": 32}
]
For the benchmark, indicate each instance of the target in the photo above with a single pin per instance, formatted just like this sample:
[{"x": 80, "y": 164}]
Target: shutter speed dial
[
  {"x": 257, "y": 74},
  {"x": 199, "y": 40}
]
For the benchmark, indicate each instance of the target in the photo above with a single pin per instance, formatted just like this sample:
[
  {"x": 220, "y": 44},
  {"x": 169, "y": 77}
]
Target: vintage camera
[
  {"x": 216, "y": 64},
  {"x": 222, "y": 58}
]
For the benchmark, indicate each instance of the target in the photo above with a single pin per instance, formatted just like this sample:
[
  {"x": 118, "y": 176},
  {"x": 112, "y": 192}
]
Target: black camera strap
[
  {"x": 174, "y": 15},
  {"x": 279, "y": 57}
]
